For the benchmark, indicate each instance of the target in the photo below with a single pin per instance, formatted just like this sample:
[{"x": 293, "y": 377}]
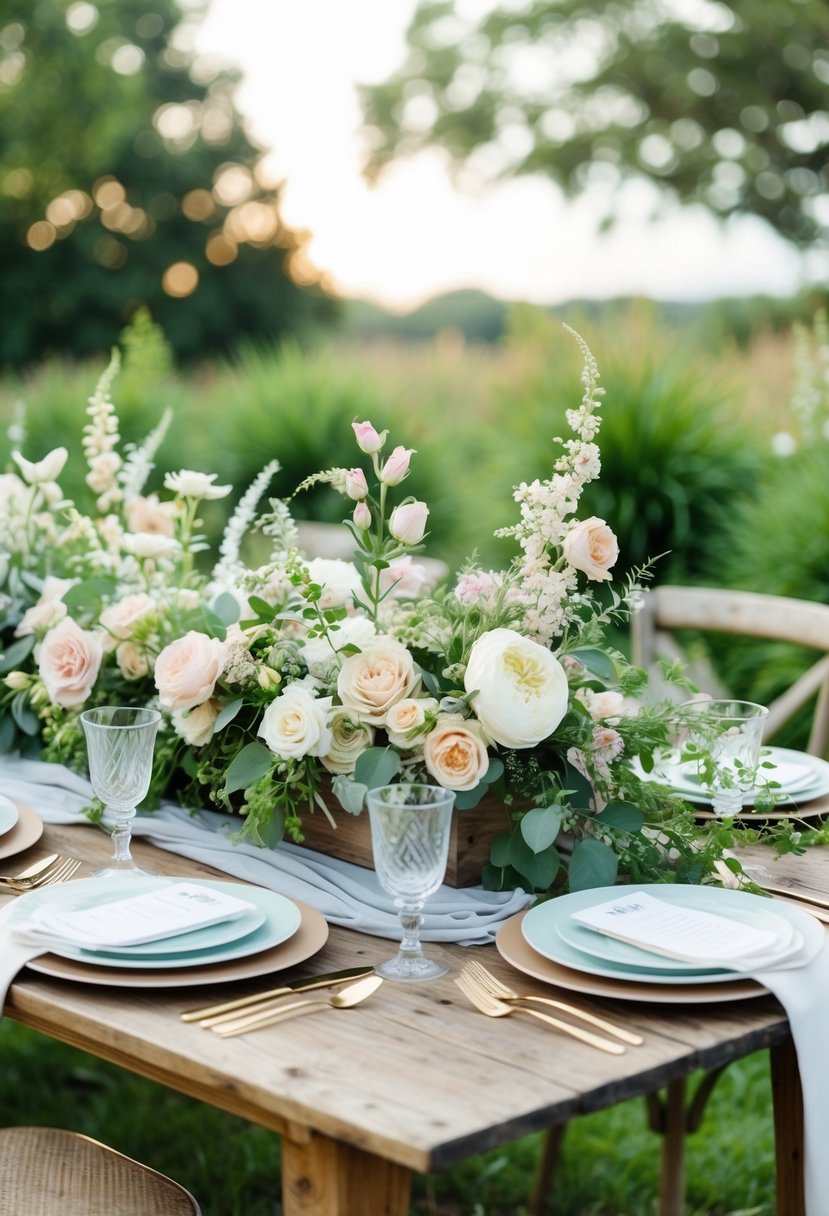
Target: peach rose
[
  {"x": 455, "y": 753},
  {"x": 592, "y": 548},
  {"x": 186, "y": 671},
  {"x": 69, "y": 661},
  {"x": 406, "y": 716},
  {"x": 118, "y": 619},
  {"x": 371, "y": 682}
]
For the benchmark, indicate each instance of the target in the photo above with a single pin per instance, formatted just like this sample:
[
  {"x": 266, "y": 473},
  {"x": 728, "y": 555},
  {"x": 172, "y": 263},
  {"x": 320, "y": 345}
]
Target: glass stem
[
  {"x": 727, "y": 803},
  {"x": 410, "y": 922},
  {"x": 121, "y": 837}
]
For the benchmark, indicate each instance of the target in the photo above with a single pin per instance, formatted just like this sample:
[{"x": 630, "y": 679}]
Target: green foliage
[
  {"x": 104, "y": 194},
  {"x": 718, "y": 106},
  {"x": 609, "y": 1159}
]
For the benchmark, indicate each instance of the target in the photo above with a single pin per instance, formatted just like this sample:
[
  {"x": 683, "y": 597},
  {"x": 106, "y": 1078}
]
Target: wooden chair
[
  {"x": 666, "y": 610},
  {"x": 45, "y": 1171}
]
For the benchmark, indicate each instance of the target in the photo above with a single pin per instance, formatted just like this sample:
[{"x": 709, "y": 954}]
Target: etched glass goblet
[
  {"x": 410, "y": 827},
  {"x": 119, "y": 746},
  {"x": 725, "y": 737}
]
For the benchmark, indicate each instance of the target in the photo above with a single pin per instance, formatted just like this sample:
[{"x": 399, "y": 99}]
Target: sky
[{"x": 413, "y": 235}]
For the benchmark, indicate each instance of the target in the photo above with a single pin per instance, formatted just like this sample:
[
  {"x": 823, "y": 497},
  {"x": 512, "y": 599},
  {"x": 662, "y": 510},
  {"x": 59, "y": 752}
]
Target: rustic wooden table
[{"x": 414, "y": 1080}]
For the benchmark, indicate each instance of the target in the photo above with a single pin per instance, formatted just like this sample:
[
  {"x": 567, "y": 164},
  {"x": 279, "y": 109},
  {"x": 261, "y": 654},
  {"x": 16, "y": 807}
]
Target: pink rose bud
[
  {"x": 356, "y": 486},
  {"x": 408, "y": 522},
  {"x": 361, "y": 517},
  {"x": 368, "y": 440},
  {"x": 397, "y": 466}
]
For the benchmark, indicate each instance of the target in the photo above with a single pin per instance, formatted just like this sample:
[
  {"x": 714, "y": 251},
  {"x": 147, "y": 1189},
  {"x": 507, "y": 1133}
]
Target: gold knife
[
  {"x": 314, "y": 981},
  {"x": 800, "y": 894}
]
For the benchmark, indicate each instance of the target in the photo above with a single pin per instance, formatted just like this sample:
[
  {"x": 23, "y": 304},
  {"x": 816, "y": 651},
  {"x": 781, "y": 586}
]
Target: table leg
[
  {"x": 323, "y": 1177},
  {"x": 787, "y": 1099}
]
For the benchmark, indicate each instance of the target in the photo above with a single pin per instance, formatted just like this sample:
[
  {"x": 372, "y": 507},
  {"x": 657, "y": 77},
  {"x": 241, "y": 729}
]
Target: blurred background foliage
[{"x": 127, "y": 179}]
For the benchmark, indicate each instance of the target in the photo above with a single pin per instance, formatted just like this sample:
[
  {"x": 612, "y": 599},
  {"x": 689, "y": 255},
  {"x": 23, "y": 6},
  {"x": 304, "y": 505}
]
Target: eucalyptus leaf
[
  {"x": 465, "y": 800},
  {"x": 597, "y": 662},
  {"x": 499, "y": 849},
  {"x": 7, "y": 733},
  {"x": 273, "y": 831},
  {"x": 24, "y": 715},
  {"x": 351, "y": 795},
  {"x": 377, "y": 766},
  {"x": 592, "y": 864},
  {"x": 87, "y": 595},
  {"x": 540, "y": 826},
  {"x": 227, "y": 713},
  {"x": 226, "y": 608},
  {"x": 581, "y": 796},
  {"x": 247, "y": 766},
  {"x": 15, "y": 654},
  {"x": 622, "y": 815},
  {"x": 539, "y": 869}
]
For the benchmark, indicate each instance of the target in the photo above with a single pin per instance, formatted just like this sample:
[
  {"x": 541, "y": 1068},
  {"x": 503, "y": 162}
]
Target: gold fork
[
  {"x": 477, "y": 972},
  {"x": 59, "y": 869},
  {"x": 493, "y": 1008},
  {"x": 30, "y": 872},
  {"x": 344, "y": 999}
]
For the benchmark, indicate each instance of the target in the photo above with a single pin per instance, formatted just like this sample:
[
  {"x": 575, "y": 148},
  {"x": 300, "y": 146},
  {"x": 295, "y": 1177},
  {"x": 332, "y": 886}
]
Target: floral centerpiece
[{"x": 291, "y": 686}]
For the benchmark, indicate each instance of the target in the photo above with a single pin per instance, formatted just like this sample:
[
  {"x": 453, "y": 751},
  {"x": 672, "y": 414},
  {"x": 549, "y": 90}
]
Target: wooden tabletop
[{"x": 415, "y": 1079}]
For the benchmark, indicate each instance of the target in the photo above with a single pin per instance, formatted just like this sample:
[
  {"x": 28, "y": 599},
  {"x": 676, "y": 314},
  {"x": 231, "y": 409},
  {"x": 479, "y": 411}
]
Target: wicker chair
[{"x": 45, "y": 1171}]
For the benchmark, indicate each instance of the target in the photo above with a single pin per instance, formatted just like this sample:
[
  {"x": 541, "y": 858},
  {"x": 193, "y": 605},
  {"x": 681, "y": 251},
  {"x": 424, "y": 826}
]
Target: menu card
[
  {"x": 164, "y": 912},
  {"x": 683, "y": 933}
]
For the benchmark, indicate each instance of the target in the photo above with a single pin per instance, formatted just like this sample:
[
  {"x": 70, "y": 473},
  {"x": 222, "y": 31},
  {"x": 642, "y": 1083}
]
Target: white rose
[
  {"x": 132, "y": 661},
  {"x": 186, "y": 671},
  {"x": 118, "y": 619},
  {"x": 49, "y": 609},
  {"x": 69, "y": 661},
  {"x": 338, "y": 579},
  {"x": 318, "y": 653},
  {"x": 522, "y": 690},
  {"x": 349, "y": 739},
  {"x": 455, "y": 753},
  {"x": 406, "y": 716},
  {"x": 592, "y": 548},
  {"x": 296, "y": 724},
  {"x": 371, "y": 682},
  {"x": 150, "y": 515},
  {"x": 47, "y": 469},
  {"x": 149, "y": 544},
  {"x": 188, "y": 483},
  {"x": 197, "y": 726},
  {"x": 602, "y": 705}
]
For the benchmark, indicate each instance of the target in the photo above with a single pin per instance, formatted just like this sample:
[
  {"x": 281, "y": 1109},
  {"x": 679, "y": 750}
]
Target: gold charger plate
[
  {"x": 515, "y": 950},
  {"x": 26, "y": 832},
  {"x": 309, "y": 938}
]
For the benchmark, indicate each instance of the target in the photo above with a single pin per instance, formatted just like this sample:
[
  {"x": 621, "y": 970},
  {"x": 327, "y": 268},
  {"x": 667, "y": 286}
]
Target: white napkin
[
  {"x": 15, "y": 953},
  {"x": 346, "y": 894}
]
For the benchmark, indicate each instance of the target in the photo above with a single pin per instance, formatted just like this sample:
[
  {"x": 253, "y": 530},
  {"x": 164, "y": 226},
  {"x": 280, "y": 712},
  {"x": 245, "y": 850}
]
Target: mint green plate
[
  {"x": 273, "y": 920},
  {"x": 8, "y": 814},
  {"x": 540, "y": 929}
]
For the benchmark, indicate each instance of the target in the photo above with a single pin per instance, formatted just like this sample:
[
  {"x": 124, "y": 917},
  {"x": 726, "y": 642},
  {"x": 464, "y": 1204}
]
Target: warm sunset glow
[{"x": 41, "y": 235}]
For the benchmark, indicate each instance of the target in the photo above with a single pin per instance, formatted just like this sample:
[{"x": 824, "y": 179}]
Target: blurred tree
[
  {"x": 126, "y": 179},
  {"x": 719, "y": 102}
]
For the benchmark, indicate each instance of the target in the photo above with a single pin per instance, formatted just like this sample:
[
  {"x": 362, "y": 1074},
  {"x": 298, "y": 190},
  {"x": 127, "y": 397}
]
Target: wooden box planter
[{"x": 472, "y": 835}]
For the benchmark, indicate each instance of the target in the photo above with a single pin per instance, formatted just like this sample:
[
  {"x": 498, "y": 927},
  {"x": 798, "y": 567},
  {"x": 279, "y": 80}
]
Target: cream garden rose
[
  {"x": 371, "y": 682},
  {"x": 521, "y": 688},
  {"x": 186, "y": 671},
  {"x": 406, "y": 716},
  {"x": 592, "y": 548},
  {"x": 69, "y": 660},
  {"x": 349, "y": 739},
  {"x": 119, "y": 619},
  {"x": 197, "y": 726},
  {"x": 455, "y": 752},
  {"x": 296, "y": 724}
]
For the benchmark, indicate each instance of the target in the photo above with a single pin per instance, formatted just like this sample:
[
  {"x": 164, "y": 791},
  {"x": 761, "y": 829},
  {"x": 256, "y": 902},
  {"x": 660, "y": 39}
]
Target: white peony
[
  {"x": 296, "y": 724},
  {"x": 522, "y": 690}
]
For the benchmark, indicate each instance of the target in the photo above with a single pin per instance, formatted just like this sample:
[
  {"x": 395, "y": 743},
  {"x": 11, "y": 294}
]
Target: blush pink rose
[
  {"x": 368, "y": 439},
  {"x": 408, "y": 522},
  {"x": 397, "y": 466},
  {"x": 374, "y": 680},
  {"x": 592, "y": 548},
  {"x": 186, "y": 671},
  {"x": 69, "y": 661}
]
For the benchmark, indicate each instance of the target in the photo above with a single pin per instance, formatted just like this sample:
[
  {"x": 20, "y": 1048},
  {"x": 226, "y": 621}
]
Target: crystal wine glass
[
  {"x": 725, "y": 737},
  {"x": 410, "y": 827},
  {"x": 119, "y": 745}
]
